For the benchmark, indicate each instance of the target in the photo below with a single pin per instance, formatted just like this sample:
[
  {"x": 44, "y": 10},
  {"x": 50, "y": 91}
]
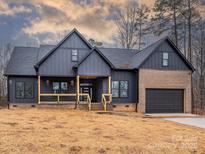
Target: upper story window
[
  {"x": 74, "y": 55},
  {"x": 165, "y": 59}
]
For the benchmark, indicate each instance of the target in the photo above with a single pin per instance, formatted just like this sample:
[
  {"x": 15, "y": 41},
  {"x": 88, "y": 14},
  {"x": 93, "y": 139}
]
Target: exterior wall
[
  {"x": 48, "y": 88},
  {"x": 131, "y": 77},
  {"x": 59, "y": 63},
  {"x": 94, "y": 65},
  {"x": 164, "y": 79},
  {"x": 155, "y": 60},
  {"x": 74, "y": 41},
  {"x": 12, "y": 95}
]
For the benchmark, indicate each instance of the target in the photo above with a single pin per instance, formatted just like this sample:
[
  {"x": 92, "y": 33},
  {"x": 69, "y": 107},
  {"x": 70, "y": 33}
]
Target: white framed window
[
  {"x": 165, "y": 59},
  {"x": 74, "y": 55}
]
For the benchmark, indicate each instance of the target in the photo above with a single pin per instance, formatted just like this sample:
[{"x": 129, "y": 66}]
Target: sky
[{"x": 34, "y": 22}]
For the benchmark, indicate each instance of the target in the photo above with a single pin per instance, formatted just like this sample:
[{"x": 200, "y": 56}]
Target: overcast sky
[{"x": 32, "y": 22}]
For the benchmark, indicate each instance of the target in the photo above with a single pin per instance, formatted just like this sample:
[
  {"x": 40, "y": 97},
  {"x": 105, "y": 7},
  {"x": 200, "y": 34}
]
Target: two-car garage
[{"x": 164, "y": 101}]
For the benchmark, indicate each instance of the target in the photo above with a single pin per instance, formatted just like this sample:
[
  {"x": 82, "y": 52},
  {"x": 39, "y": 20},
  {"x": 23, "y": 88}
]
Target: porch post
[
  {"x": 39, "y": 89},
  {"x": 109, "y": 85},
  {"x": 77, "y": 89}
]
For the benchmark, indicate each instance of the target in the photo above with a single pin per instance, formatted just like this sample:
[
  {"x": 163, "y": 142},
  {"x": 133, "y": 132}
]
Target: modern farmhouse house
[{"x": 154, "y": 80}]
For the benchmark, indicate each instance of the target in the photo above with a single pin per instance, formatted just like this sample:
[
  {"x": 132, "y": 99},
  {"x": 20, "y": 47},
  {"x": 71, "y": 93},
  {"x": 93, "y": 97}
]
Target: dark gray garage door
[{"x": 164, "y": 101}]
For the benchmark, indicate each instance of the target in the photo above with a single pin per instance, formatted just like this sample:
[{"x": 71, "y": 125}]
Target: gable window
[
  {"x": 120, "y": 89},
  {"x": 74, "y": 55},
  {"x": 165, "y": 59},
  {"x": 19, "y": 89},
  {"x": 24, "y": 90}
]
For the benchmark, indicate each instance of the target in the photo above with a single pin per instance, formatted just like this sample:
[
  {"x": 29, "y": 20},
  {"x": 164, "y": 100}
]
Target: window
[
  {"x": 115, "y": 88},
  {"x": 120, "y": 89},
  {"x": 165, "y": 59},
  {"x": 24, "y": 90},
  {"x": 64, "y": 87},
  {"x": 60, "y": 87},
  {"x": 123, "y": 88},
  {"x": 19, "y": 89},
  {"x": 56, "y": 87},
  {"x": 74, "y": 55},
  {"x": 29, "y": 90}
]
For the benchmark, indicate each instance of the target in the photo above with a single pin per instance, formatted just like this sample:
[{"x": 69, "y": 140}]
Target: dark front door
[
  {"x": 164, "y": 101},
  {"x": 87, "y": 88}
]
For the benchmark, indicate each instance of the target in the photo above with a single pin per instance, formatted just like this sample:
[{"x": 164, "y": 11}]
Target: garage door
[{"x": 164, "y": 101}]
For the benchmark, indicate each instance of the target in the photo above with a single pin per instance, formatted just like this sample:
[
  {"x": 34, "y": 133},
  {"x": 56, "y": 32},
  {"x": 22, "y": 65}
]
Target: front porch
[{"x": 79, "y": 90}]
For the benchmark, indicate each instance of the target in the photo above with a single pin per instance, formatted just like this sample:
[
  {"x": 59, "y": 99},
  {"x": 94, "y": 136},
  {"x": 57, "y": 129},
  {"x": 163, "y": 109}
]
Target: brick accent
[{"x": 169, "y": 79}]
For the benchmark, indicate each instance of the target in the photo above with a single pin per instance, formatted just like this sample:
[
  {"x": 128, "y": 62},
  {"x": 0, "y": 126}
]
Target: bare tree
[
  {"x": 5, "y": 53},
  {"x": 166, "y": 17},
  {"x": 199, "y": 60},
  {"x": 191, "y": 16},
  {"x": 125, "y": 21},
  {"x": 141, "y": 24}
]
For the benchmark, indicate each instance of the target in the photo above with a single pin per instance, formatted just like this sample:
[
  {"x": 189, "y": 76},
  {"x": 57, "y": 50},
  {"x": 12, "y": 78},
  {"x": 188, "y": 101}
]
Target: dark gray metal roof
[{"x": 22, "y": 61}]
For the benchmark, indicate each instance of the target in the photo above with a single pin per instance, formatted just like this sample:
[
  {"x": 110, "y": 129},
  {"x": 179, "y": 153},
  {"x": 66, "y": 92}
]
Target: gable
[
  {"x": 94, "y": 65},
  {"x": 154, "y": 61},
  {"x": 74, "y": 41},
  {"x": 60, "y": 63}
]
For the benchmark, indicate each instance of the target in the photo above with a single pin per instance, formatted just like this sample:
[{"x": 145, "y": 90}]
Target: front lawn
[{"x": 68, "y": 131}]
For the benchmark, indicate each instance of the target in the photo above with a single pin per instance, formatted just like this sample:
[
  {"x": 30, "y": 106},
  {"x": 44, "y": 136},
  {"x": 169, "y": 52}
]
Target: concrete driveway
[{"x": 197, "y": 122}]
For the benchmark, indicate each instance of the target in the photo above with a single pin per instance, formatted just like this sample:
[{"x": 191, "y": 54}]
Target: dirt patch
[{"x": 69, "y": 131}]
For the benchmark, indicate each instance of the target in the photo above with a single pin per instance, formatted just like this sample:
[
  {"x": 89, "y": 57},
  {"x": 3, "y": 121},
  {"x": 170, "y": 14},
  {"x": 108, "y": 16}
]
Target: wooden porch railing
[
  {"x": 88, "y": 99},
  {"x": 105, "y": 101},
  {"x": 80, "y": 94},
  {"x": 57, "y": 95}
]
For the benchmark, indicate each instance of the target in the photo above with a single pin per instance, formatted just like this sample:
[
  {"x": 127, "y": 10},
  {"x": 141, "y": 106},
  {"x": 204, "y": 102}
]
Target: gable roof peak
[{"x": 74, "y": 30}]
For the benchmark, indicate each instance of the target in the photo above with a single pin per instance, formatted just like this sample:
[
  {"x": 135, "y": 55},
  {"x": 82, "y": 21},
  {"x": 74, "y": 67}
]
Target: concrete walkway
[
  {"x": 171, "y": 115},
  {"x": 197, "y": 122}
]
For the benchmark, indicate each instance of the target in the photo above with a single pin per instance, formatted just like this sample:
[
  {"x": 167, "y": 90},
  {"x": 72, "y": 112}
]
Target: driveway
[{"x": 197, "y": 122}]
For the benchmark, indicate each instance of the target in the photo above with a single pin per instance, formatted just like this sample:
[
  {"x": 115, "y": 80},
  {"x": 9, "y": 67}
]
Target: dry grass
[{"x": 68, "y": 131}]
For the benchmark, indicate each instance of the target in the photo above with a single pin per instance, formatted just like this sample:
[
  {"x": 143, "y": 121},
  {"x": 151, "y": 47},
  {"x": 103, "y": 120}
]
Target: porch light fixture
[
  {"x": 47, "y": 82},
  {"x": 72, "y": 82}
]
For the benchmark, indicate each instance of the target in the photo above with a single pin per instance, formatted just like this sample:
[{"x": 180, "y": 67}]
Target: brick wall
[{"x": 164, "y": 79}]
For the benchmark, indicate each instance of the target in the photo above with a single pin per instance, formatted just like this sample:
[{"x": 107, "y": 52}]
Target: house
[{"x": 154, "y": 80}]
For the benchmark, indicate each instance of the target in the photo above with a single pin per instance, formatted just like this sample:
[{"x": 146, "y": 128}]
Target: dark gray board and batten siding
[
  {"x": 131, "y": 77},
  {"x": 12, "y": 93},
  {"x": 175, "y": 62},
  {"x": 59, "y": 63},
  {"x": 94, "y": 65}
]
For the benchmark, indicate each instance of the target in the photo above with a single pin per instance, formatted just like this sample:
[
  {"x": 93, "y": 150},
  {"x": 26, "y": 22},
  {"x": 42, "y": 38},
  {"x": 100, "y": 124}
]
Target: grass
[{"x": 69, "y": 131}]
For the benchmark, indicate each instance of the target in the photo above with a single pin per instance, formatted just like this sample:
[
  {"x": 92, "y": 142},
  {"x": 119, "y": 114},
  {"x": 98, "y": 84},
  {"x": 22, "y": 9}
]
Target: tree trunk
[
  {"x": 189, "y": 32},
  {"x": 175, "y": 23}
]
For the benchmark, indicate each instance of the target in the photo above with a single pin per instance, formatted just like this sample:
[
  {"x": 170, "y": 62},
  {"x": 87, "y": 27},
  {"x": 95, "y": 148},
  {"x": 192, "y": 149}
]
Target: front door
[{"x": 88, "y": 89}]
